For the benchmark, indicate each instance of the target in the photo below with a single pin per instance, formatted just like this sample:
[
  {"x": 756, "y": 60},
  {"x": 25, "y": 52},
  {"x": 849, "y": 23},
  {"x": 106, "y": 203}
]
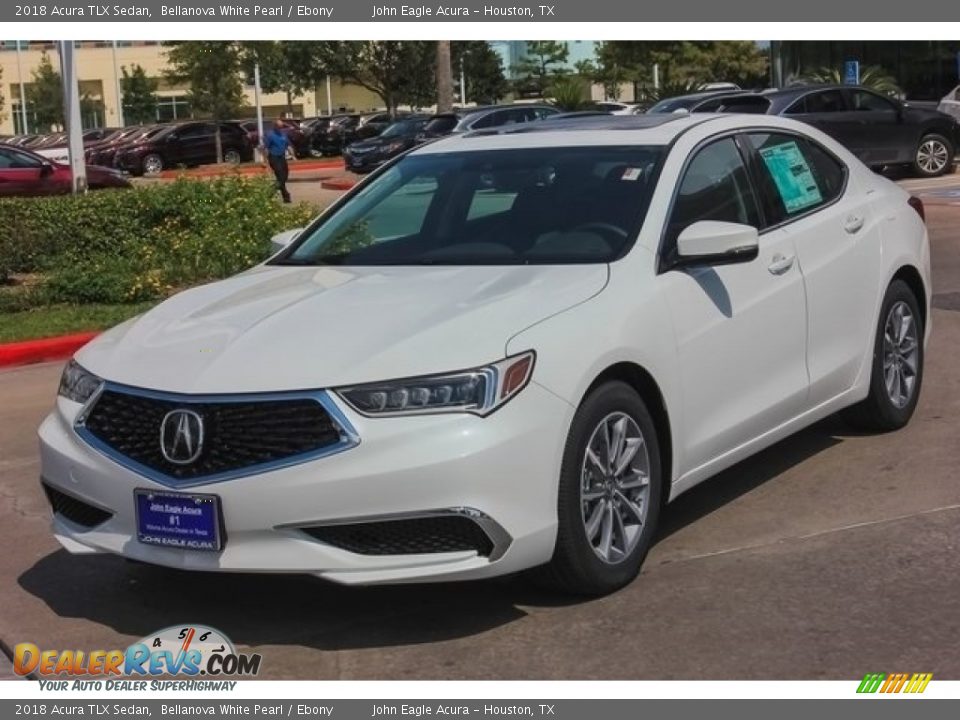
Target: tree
[
  {"x": 398, "y": 71},
  {"x": 211, "y": 70},
  {"x": 569, "y": 92},
  {"x": 45, "y": 95},
  {"x": 139, "y": 96},
  {"x": 482, "y": 70},
  {"x": 444, "y": 77},
  {"x": 543, "y": 59},
  {"x": 291, "y": 67},
  {"x": 2, "y": 101}
]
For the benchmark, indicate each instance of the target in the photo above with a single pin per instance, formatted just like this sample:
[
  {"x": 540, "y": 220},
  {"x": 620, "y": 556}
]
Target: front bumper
[
  {"x": 362, "y": 163},
  {"x": 502, "y": 470}
]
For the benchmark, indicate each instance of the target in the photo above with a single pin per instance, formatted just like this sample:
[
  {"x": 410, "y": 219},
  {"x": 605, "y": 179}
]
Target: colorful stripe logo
[{"x": 894, "y": 683}]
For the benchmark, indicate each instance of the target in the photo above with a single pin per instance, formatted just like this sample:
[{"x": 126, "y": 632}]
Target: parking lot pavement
[{"x": 826, "y": 556}]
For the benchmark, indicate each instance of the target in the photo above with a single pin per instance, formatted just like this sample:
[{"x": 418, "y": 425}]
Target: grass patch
[{"x": 54, "y": 320}]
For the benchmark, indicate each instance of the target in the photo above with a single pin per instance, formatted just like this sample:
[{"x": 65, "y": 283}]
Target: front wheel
[
  {"x": 934, "y": 156},
  {"x": 609, "y": 493},
  {"x": 152, "y": 164},
  {"x": 897, "y": 369}
]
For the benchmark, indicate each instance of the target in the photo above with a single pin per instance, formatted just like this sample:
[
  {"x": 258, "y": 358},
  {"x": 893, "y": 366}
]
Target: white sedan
[{"x": 502, "y": 351}]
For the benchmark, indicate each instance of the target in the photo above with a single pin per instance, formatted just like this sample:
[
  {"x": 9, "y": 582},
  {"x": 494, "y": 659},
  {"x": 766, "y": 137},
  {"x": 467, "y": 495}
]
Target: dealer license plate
[{"x": 178, "y": 520}]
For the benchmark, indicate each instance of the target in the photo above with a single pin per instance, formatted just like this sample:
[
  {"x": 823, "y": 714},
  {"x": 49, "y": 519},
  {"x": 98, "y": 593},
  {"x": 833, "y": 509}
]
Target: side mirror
[
  {"x": 46, "y": 169},
  {"x": 281, "y": 240},
  {"x": 712, "y": 242}
]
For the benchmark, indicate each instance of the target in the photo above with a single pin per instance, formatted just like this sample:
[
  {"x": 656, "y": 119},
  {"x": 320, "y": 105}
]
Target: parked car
[
  {"x": 880, "y": 130},
  {"x": 103, "y": 152},
  {"x": 56, "y": 146},
  {"x": 328, "y": 137},
  {"x": 26, "y": 174},
  {"x": 189, "y": 144},
  {"x": 366, "y": 155},
  {"x": 464, "y": 120},
  {"x": 616, "y": 108},
  {"x": 502, "y": 351},
  {"x": 706, "y": 101}
]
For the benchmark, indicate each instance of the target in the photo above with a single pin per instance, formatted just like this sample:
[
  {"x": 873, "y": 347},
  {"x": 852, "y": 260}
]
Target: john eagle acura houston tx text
[{"x": 504, "y": 350}]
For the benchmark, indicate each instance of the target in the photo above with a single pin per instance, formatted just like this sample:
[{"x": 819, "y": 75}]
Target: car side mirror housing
[
  {"x": 281, "y": 240},
  {"x": 713, "y": 242},
  {"x": 46, "y": 169}
]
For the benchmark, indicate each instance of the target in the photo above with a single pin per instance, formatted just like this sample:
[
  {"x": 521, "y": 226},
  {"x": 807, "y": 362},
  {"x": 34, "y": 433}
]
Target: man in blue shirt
[{"x": 276, "y": 144}]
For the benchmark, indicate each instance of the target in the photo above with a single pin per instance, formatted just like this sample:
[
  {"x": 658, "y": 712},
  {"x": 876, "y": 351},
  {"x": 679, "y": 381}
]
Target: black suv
[{"x": 189, "y": 144}]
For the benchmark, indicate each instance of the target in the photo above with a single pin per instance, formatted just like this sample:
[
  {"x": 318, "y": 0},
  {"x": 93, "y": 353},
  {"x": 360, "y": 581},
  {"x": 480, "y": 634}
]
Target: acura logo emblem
[{"x": 181, "y": 436}]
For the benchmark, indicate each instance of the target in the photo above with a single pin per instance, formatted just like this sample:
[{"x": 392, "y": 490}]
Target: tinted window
[
  {"x": 827, "y": 101},
  {"x": 715, "y": 186},
  {"x": 862, "y": 100},
  {"x": 798, "y": 175},
  {"x": 194, "y": 131},
  {"x": 502, "y": 207},
  {"x": 441, "y": 125},
  {"x": 13, "y": 160}
]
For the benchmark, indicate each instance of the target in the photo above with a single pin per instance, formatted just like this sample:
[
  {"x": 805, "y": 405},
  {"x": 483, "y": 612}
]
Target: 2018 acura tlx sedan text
[{"x": 504, "y": 350}]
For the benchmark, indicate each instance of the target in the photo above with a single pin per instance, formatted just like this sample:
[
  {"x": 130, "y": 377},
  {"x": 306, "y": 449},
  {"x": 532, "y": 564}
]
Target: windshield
[
  {"x": 401, "y": 128},
  {"x": 502, "y": 207},
  {"x": 441, "y": 125}
]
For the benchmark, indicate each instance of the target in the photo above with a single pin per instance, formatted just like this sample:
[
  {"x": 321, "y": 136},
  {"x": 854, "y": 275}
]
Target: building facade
[{"x": 99, "y": 69}]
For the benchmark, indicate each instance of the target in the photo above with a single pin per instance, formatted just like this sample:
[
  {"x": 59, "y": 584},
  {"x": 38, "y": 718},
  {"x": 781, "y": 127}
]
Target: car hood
[{"x": 291, "y": 328}]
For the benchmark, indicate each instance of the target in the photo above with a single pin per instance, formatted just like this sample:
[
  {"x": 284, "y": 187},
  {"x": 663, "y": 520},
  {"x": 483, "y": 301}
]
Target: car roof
[{"x": 570, "y": 132}]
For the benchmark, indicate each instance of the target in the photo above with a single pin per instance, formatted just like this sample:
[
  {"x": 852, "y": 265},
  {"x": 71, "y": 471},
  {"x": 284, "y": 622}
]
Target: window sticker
[
  {"x": 792, "y": 175},
  {"x": 632, "y": 173}
]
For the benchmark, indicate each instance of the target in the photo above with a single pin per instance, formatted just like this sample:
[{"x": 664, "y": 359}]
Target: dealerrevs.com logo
[
  {"x": 888, "y": 683},
  {"x": 184, "y": 651}
]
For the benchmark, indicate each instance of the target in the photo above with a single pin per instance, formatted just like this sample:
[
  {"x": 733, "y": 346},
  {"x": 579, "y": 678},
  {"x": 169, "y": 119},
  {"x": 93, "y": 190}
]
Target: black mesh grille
[
  {"x": 237, "y": 435},
  {"x": 406, "y": 537},
  {"x": 75, "y": 510}
]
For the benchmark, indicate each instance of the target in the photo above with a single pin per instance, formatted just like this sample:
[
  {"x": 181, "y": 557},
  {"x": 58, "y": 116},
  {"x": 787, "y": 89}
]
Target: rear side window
[
  {"x": 827, "y": 101},
  {"x": 715, "y": 186},
  {"x": 797, "y": 175}
]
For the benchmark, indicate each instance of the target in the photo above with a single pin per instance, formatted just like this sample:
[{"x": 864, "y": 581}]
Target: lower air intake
[
  {"x": 411, "y": 536},
  {"x": 76, "y": 511}
]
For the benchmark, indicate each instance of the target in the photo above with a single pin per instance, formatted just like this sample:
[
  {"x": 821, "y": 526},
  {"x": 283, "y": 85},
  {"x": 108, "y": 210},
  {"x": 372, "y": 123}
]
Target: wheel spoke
[
  {"x": 616, "y": 442},
  {"x": 594, "y": 460},
  {"x": 621, "y": 532},
  {"x": 596, "y": 517},
  {"x": 606, "y": 536},
  {"x": 627, "y": 454},
  {"x": 637, "y": 479},
  {"x": 631, "y": 506},
  {"x": 591, "y": 495}
]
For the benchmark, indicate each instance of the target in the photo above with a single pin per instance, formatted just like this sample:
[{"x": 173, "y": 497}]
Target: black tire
[
  {"x": 933, "y": 143},
  {"x": 878, "y": 412},
  {"x": 232, "y": 156},
  {"x": 575, "y": 567}
]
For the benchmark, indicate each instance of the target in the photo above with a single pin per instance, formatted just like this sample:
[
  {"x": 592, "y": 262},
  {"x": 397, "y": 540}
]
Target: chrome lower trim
[
  {"x": 348, "y": 435},
  {"x": 500, "y": 538}
]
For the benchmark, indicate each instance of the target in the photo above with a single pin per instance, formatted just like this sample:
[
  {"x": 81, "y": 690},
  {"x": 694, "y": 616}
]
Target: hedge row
[{"x": 140, "y": 244}]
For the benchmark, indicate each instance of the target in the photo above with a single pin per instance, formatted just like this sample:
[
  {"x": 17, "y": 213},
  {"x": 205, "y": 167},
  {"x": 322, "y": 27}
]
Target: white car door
[
  {"x": 740, "y": 328},
  {"x": 836, "y": 235}
]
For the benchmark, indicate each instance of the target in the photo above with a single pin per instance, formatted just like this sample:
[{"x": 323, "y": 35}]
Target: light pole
[
  {"x": 71, "y": 111},
  {"x": 256, "y": 95},
  {"x": 116, "y": 87},
  {"x": 23, "y": 93}
]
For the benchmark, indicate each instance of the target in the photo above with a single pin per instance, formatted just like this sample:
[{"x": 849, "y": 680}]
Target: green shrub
[{"x": 140, "y": 244}]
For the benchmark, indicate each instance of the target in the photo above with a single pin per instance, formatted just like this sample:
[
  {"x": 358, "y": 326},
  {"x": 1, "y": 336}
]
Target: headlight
[
  {"x": 479, "y": 391},
  {"x": 393, "y": 147},
  {"x": 77, "y": 384}
]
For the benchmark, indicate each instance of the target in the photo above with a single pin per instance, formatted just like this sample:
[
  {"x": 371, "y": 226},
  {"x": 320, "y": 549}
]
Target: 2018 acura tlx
[{"x": 504, "y": 350}]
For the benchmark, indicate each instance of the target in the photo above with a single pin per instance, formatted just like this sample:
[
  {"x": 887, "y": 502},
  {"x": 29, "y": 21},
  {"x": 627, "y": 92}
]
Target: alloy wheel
[
  {"x": 932, "y": 156},
  {"x": 152, "y": 164},
  {"x": 231, "y": 157},
  {"x": 615, "y": 487},
  {"x": 901, "y": 354}
]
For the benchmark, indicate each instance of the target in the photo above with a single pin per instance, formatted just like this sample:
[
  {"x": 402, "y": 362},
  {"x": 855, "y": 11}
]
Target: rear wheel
[
  {"x": 152, "y": 164},
  {"x": 897, "y": 369},
  {"x": 934, "y": 156},
  {"x": 231, "y": 156},
  {"x": 609, "y": 494}
]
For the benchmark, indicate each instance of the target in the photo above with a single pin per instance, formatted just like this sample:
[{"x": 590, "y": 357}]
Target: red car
[{"x": 26, "y": 174}]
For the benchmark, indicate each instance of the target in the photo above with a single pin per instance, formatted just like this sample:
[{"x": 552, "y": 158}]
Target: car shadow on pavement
[
  {"x": 136, "y": 599},
  {"x": 751, "y": 473}
]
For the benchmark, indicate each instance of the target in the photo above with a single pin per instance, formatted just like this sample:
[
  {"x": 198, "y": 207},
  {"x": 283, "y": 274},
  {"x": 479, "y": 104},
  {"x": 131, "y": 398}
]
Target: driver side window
[{"x": 714, "y": 186}]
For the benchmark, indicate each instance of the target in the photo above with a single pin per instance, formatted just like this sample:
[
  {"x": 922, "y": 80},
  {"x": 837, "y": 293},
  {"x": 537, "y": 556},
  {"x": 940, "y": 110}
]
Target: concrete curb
[
  {"x": 42, "y": 350},
  {"x": 344, "y": 184},
  {"x": 255, "y": 169}
]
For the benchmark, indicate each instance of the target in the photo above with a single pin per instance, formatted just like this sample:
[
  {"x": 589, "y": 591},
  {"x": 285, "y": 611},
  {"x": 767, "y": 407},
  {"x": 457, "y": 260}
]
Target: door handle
[
  {"x": 853, "y": 223},
  {"x": 781, "y": 263}
]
